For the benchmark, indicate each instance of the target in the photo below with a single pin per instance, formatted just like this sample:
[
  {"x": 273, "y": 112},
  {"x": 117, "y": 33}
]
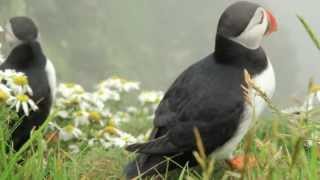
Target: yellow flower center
[
  {"x": 69, "y": 128},
  {"x": 99, "y": 134},
  {"x": 78, "y": 113},
  {"x": 3, "y": 96},
  {"x": 126, "y": 139},
  {"x": 95, "y": 116},
  {"x": 314, "y": 88},
  {"x": 20, "y": 80},
  {"x": 110, "y": 130},
  {"x": 76, "y": 89},
  {"x": 79, "y": 91},
  {"x": 112, "y": 123},
  {"x": 119, "y": 78},
  {"x": 22, "y": 98},
  {"x": 69, "y": 85},
  {"x": 71, "y": 103}
]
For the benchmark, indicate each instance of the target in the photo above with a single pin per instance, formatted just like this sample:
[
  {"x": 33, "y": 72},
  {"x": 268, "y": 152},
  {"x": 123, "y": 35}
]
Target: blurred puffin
[
  {"x": 27, "y": 56},
  {"x": 208, "y": 96}
]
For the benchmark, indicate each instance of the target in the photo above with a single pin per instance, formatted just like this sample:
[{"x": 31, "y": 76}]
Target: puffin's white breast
[
  {"x": 266, "y": 82},
  {"x": 51, "y": 74}
]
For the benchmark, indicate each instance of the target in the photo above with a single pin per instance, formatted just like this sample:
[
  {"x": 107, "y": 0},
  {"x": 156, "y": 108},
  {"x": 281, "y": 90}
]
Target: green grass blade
[
  {"x": 37, "y": 134},
  {"x": 182, "y": 174},
  {"x": 311, "y": 33}
]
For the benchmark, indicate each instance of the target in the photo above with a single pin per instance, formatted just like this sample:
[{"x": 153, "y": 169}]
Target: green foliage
[
  {"x": 285, "y": 147},
  {"x": 310, "y": 32}
]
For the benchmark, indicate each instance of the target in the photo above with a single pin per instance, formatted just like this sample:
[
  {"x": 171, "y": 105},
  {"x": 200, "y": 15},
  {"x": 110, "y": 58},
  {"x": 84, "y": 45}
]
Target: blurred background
[{"x": 153, "y": 41}]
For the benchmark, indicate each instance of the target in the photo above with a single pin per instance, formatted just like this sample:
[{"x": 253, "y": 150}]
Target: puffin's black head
[
  {"x": 20, "y": 29},
  {"x": 246, "y": 23}
]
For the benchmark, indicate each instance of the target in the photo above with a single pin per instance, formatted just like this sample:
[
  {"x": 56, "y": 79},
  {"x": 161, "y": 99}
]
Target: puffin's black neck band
[
  {"x": 27, "y": 54},
  {"x": 230, "y": 52}
]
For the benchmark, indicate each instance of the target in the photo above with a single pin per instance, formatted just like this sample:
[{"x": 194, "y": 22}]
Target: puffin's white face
[{"x": 256, "y": 29}]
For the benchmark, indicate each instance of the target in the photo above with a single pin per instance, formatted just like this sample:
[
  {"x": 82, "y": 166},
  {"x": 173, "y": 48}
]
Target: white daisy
[
  {"x": 96, "y": 117},
  {"x": 106, "y": 112},
  {"x": 8, "y": 73},
  {"x": 101, "y": 141},
  {"x": 19, "y": 84},
  {"x": 113, "y": 82},
  {"x": 53, "y": 126},
  {"x": 81, "y": 118},
  {"x": 4, "y": 93},
  {"x": 130, "y": 86},
  {"x": 94, "y": 100},
  {"x": 69, "y": 132},
  {"x": 105, "y": 143},
  {"x": 120, "y": 117},
  {"x": 22, "y": 101},
  {"x": 122, "y": 140},
  {"x": 117, "y": 141},
  {"x": 308, "y": 105},
  {"x": 63, "y": 114},
  {"x": 150, "y": 97},
  {"x": 144, "y": 137},
  {"x": 92, "y": 142},
  {"x": 108, "y": 94},
  {"x": 132, "y": 110},
  {"x": 69, "y": 89},
  {"x": 74, "y": 149},
  {"x": 110, "y": 130},
  {"x": 119, "y": 84},
  {"x": 72, "y": 102}
]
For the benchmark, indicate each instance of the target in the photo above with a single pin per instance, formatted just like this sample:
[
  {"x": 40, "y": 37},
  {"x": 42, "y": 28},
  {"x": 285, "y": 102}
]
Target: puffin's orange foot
[{"x": 238, "y": 162}]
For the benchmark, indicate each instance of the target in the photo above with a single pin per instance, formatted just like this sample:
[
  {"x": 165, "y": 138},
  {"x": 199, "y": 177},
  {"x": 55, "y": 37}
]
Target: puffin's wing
[
  {"x": 206, "y": 96},
  {"x": 217, "y": 124}
]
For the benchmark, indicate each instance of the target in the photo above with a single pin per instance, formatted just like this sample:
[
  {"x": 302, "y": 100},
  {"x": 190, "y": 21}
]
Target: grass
[
  {"x": 277, "y": 144},
  {"x": 284, "y": 147},
  {"x": 310, "y": 32}
]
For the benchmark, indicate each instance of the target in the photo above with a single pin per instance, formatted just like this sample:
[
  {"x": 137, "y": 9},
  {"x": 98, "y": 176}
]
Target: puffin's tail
[{"x": 145, "y": 165}]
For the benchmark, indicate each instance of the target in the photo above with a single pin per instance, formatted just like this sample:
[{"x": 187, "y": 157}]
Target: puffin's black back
[
  {"x": 208, "y": 95},
  {"x": 29, "y": 59}
]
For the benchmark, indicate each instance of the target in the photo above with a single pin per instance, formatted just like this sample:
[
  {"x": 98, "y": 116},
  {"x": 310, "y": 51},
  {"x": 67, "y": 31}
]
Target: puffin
[
  {"x": 26, "y": 55},
  {"x": 209, "y": 96}
]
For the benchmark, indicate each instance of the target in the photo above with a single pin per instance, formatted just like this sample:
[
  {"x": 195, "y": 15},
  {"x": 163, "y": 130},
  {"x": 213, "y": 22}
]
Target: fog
[{"x": 153, "y": 41}]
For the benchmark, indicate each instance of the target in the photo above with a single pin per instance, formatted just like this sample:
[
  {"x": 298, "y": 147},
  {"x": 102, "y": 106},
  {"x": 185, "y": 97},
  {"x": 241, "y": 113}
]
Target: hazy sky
[{"x": 153, "y": 41}]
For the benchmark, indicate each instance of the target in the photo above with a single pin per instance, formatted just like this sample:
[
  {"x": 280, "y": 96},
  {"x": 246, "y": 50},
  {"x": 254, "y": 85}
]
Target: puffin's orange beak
[{"x": 273, "y": 25}]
